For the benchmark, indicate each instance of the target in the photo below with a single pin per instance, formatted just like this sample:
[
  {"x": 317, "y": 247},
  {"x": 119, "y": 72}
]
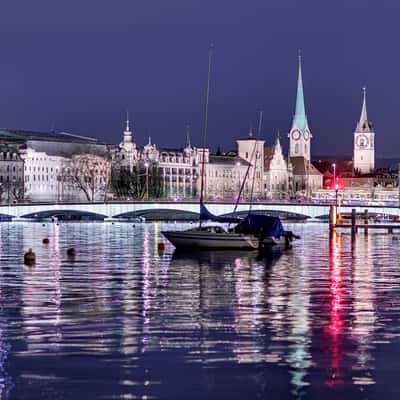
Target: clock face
[
  {"x": 362, "y": 141},
  {"x": 296, "y": 134},
  {"x": 306, "y": 134}
]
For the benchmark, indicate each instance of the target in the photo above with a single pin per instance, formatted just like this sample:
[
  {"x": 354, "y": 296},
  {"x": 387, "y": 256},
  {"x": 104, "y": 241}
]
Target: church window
[
  {"x": 305, "y": 148},
  {"x": 296, "y": 148},
  {"x": 361, "y": 158},
  {"x": 247, "y": 154}
]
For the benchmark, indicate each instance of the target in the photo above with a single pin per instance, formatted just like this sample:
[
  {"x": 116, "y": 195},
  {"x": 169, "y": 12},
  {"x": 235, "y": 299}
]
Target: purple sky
[{"x": 77, "y": 65}]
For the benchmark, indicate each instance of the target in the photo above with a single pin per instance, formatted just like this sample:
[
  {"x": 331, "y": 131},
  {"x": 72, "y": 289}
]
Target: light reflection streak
[
  {"x": 335, "y": 328},
  {"x": 146, "y": 284},
  {"x": 299, "y": 358},
  {"x": 364, "y": 311}
]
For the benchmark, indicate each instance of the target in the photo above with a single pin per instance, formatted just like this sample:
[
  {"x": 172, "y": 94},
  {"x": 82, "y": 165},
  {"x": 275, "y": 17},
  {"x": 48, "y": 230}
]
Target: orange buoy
[
  {"x": 71, "y": 252},
  {"x": 29, "y": 257},
  {"x": 161, "y": 246},
  {"x": 45, "y": 241}
]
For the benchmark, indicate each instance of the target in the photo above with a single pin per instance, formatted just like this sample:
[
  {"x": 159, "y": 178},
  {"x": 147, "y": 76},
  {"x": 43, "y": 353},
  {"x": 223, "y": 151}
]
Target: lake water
[{"x": 124, "y": 321}]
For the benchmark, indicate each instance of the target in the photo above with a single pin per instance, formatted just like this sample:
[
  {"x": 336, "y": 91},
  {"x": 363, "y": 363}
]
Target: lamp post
[
  {"x": 334, "y": 174},
  {"x": 336, "y": 194},
  {"x": 146, "y": 164}
]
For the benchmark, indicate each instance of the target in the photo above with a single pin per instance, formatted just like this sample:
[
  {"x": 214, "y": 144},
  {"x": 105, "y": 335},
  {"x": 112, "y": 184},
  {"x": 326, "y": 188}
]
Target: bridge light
[{"x": 336, "y": 186}]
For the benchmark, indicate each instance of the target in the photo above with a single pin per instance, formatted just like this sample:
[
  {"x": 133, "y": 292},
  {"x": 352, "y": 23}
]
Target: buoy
[
  {"x": 45, "y": 241},
  {"x": 29, "y": 257},
  {"x": 71, "y": 252},
  {"x": 161, "y": 246}
]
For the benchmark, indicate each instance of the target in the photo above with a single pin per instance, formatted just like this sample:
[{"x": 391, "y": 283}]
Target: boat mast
[
  {"x": 202, "y": 188},
  {"x": 253, "y": 153},
  {"x": 255, "y": 160}
]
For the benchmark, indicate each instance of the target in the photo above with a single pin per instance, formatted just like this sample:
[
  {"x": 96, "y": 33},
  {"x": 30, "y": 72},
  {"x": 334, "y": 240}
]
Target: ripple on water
[{"x": 122, "y": 319}]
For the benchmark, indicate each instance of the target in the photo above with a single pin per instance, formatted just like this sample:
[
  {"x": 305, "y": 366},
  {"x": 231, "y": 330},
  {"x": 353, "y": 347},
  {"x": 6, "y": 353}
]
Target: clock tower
[
  {"x": 300, "y": 135},
  {"x": 364, "y": 146}
]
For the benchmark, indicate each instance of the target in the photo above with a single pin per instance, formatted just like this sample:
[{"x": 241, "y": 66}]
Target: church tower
[
  {"x": 300, "y": 135},
  {"x": 364, "y": 147}
]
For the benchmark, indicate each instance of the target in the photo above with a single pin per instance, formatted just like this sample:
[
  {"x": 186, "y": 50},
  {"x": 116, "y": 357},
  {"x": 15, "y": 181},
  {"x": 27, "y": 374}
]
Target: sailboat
[{"x": 252, "y": 232}]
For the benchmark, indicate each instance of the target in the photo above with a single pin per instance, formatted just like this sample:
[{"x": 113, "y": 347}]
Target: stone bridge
[{"x": 101, "y": 210}]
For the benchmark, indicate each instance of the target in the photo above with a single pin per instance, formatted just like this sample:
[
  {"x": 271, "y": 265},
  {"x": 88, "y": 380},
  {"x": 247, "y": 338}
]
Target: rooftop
[
  {"x": 228, "y": 160},
  {"x": 15, "y": 135},
  {"x": 303, "y": 167}
]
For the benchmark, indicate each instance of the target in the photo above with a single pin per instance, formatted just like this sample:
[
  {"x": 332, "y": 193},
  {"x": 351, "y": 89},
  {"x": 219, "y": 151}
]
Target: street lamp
[
  {"x": 334, "y": 174},
  {"x": 146, "y": 164},
  {"x": 336, "y": 192}
]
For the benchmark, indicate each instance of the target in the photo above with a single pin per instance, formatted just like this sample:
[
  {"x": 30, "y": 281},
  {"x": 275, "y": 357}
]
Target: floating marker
[
  {"x": 29, "y": 257},
  {"x": 71, "y": 252}
]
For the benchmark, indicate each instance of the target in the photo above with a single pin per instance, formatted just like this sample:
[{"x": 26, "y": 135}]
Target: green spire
[{"x": 300, "y": 119}]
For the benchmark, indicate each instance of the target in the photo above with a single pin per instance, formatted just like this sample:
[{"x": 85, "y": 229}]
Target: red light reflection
[{"x": 335, "y": 327}]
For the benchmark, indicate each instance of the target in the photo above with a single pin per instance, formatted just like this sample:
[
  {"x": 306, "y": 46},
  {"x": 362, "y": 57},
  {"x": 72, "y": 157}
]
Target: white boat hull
[{"x": 208, "y": 240}]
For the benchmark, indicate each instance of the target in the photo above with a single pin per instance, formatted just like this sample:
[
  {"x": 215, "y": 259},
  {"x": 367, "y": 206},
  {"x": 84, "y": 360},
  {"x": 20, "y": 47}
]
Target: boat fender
[{"x": 161, "y": 246}]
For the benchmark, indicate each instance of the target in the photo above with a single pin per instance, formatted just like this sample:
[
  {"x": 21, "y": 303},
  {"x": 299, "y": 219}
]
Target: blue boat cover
[
  {"x": 261, "y": 224},
  {"x": 205, "y": 215}
]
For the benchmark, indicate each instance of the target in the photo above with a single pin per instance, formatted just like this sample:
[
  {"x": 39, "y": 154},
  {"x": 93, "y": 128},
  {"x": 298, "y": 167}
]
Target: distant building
[
  {"x": 42, "y": 175},
  {"x": 300, "y": 134},
  {"x": 305, "y": 177},
  {"x": 364, "y": 143},
  {"x": 276, "y": 172},
  {"x": 11, "y": 174},
  {"x": 44, "y": 155},
  {"x": 252, "y": 150},
  {"x": 224, "y": 177},
  {"x": 150, "y": 171}
]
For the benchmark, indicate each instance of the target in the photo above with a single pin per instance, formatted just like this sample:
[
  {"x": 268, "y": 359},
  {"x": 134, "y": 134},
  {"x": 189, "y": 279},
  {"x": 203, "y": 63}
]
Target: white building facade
[
  {"x": 276, "y": 173},
  {"x": 42, "y": 175}
]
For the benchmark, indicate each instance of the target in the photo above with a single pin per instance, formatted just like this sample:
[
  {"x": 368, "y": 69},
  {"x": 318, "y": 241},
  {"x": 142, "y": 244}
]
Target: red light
[{"x": 336, "y": 186}]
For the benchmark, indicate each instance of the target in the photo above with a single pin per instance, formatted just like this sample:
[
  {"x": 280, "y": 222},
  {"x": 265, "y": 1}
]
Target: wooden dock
[
  {"x": 355, "y": 224},
  {"x": 389, "y": 227}
]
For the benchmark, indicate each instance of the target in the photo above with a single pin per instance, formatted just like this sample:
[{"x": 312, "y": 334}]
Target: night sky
[{"x": 77, "y": 65}]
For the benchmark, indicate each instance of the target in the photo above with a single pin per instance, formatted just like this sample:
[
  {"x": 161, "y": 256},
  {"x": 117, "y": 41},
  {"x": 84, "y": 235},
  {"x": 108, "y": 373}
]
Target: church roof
[
  {"x": 300, "y": 118},
  {"x": 268, "y": 155},
  {"x": 301, "y": 166},
  {"x": 363, "y": 124}
]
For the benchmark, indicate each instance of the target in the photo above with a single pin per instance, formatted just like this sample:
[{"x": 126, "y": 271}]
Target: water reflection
[{"x": 125, "y": 319}]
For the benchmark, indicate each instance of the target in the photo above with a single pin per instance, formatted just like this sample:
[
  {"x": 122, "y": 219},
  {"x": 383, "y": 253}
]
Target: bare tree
[{"x": 88, "y": 174}]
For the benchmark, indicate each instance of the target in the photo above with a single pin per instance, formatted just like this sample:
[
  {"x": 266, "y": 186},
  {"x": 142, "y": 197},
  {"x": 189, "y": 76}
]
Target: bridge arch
[
  {"x": 285, "y": 215},
  {"x": 70, "y": 215},
  {"x": 6, "y": 217},
  {"x": 168, "y": 214}
]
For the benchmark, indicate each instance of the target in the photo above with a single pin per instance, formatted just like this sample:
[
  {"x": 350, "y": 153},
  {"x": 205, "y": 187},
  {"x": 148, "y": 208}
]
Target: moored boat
[
  {"x": 211, "y": 237},
  {"x": 251, "y": 233}
]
